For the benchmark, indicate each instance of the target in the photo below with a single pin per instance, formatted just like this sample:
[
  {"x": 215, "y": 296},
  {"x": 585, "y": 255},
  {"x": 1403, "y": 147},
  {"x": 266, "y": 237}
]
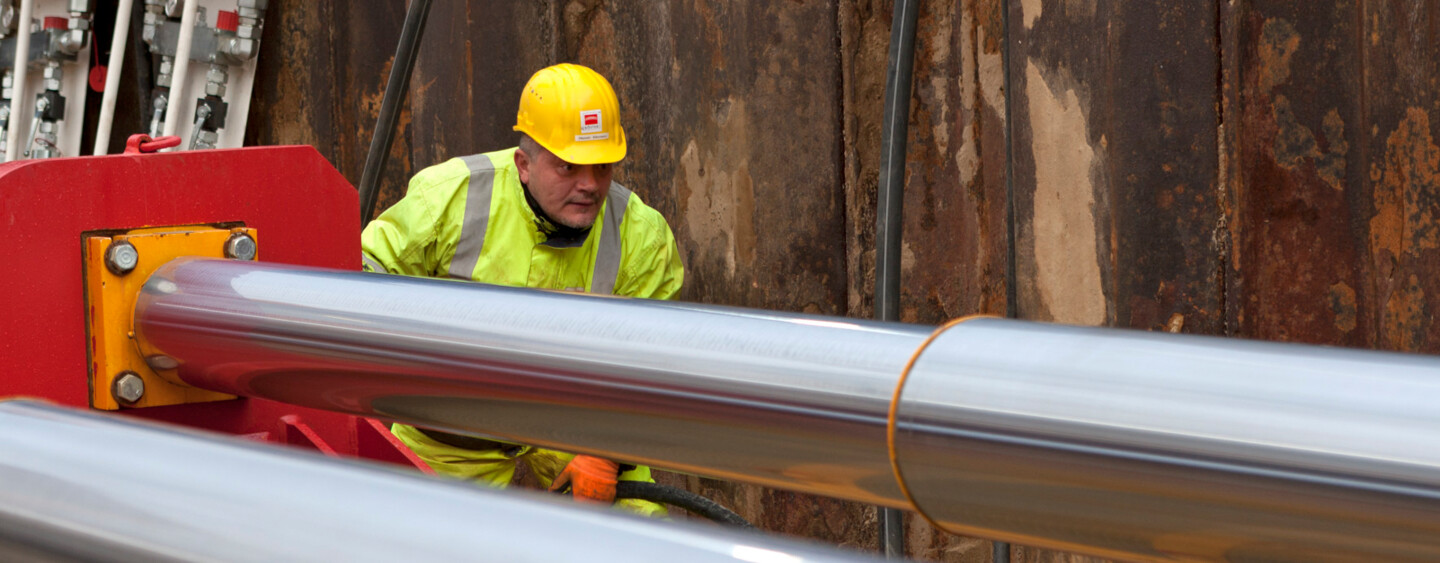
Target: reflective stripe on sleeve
[
  {"x": 375, "y": 265},
  {"x": 477, "y": 217}
]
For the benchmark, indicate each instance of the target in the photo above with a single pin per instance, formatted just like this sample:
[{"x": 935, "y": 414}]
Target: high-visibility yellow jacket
[{"x": 467, "y": 218}]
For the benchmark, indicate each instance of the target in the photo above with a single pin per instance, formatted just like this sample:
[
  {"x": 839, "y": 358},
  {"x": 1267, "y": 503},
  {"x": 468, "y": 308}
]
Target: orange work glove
[{"x": 591, "y": 479}]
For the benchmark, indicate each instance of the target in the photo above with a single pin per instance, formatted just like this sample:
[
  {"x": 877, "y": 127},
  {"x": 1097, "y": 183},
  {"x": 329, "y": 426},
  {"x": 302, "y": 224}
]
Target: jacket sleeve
[
  {"x": 402, "y": 240},
  {"x": 653, "y": 269}
]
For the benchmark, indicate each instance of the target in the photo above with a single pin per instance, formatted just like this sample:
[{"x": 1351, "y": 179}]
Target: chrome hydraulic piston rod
[
  {"x": 1120, "y": 443},
  {"x": 77, "y": 486}
]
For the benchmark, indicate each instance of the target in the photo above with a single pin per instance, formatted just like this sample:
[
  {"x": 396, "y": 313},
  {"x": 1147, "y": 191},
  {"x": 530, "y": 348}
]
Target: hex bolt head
[
  {"x": 121, "y": 258},
  {"x": 240, "y": 247},
  {"x": 128, "y": 388}
]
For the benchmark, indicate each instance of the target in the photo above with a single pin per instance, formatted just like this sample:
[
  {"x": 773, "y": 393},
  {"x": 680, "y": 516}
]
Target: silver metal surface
[
  {"x": 791, "y": 401},
  {"x": 1118, "y": 443},
  {"x": 1151, "y": 445},
  {"x": 84, "y": 486}
]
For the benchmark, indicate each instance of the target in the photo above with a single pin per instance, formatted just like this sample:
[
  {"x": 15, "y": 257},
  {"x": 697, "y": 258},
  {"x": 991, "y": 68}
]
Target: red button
[
  {"x": 52, "y": 22},
  {"x": 228, "y": 21}
]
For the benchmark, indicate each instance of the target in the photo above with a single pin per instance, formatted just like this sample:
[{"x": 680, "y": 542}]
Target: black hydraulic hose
[
  {"x": 894, "y": 134},
  {"x": 681, "y": 498},
  {"x": 395, "y": 89}
]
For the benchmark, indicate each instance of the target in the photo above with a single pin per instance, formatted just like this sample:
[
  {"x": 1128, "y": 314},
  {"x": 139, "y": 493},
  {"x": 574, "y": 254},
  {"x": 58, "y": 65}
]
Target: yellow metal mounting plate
[{"x": 110, "y": 311}]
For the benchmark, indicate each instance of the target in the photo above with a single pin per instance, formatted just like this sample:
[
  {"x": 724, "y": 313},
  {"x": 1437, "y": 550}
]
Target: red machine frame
[{"x": 304, "y": 212}]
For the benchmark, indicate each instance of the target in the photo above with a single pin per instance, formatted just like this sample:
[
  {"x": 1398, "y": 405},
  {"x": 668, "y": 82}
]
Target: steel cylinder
[
  {"x": 1120, "y": 443},
  {"x": 791, "y": 401},
  {"x": 77, "y": 486},
  {"x": 1135, "y": 444}
]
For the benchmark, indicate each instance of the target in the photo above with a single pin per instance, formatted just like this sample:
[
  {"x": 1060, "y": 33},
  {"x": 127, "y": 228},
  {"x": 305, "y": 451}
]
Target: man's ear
[{"x": 522, "y": 166}]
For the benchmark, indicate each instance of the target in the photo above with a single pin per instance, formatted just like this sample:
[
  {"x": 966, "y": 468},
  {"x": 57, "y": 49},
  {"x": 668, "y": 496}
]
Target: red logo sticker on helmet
[{"x": 590, "y": 121}]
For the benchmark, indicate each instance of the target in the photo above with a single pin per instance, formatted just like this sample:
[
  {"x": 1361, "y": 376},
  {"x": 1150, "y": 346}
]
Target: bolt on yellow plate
[{"x": 116, "y": 267}]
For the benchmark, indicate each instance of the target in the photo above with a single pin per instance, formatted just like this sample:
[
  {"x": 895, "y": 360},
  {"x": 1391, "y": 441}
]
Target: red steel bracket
[{"x": 306, "y": 211}]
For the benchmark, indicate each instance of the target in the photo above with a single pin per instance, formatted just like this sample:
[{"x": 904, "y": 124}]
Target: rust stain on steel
[
  {"x": 953, "y": 244},
  {"x": 1066, "y": 257},
  {"x": 1117, "y": 192},
  {"x": 1406, "y": 199},
  {"x": 1299, "y": 272},
  {"x": 1277, "y": 44},
  {"x": 1342, "y": 304},
  {"x": 285, "y": 85},
  {"x": 718, "y": 194}
]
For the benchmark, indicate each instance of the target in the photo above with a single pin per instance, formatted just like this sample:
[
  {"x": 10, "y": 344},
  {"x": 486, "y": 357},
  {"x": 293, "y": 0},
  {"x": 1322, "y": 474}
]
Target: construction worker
[{"x": 544, "y": 214}]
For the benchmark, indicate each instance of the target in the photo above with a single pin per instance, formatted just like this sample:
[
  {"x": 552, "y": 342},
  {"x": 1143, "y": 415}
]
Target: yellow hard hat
[{"x": 572, "y": 111}]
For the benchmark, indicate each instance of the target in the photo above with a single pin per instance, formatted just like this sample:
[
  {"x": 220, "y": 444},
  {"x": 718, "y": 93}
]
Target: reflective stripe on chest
[{"x": 478, "y": 198}]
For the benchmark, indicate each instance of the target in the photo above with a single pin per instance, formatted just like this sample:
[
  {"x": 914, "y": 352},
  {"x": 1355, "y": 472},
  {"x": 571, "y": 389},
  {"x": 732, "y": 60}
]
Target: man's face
[{"x": 571, "y": 194}]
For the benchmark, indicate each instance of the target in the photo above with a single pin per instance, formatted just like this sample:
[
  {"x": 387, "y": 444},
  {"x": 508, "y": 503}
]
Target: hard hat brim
[{"x": 603, "y": 151}]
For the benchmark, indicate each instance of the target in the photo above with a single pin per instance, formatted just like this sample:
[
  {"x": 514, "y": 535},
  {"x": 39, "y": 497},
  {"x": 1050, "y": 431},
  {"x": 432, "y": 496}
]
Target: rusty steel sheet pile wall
[{"x": 1251, "y": 168}]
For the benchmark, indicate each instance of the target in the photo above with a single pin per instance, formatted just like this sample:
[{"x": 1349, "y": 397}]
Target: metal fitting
[
  {"x": 243, "y": 48},
  {"x": 254, "y": 4},
  {"x": 167, "y": 66},
  {"x": 206, "y": 139},
  {"x": 217, "y": 74},
  {"x": 215, "y": 89},
  {"x": 248, "y": 32},
  {"x": 173, "y": 8},
  {"x": 82, "y": 5},
  {"x": 8, "y": 15},
  {"x": 128, "y": 388},
  {"x": 79, "y": 24},
  {"x": 52, "y": 75},
  {"x": 121, "y": 258},
  {"x": 240, "y": 247}
]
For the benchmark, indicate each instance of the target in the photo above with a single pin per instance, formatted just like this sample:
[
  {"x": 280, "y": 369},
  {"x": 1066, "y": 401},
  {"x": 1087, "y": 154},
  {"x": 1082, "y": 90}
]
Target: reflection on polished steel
[
  {"x": 1159, "y": 445},
  {"x": 1119, "y": 443},
  {"x": 791, "y": 401},
  {"x": 78, "y": 486}
]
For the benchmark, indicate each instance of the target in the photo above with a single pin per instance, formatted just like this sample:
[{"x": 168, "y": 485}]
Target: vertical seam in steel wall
[
  {"x": 1012, "y": 291},
  {"x": 1367, "y": 186},
  {"x": 842, "y": 169},
  {"x": 608, "y": 252},
  {"x": 1224, "y": 161},
  {"x": 476, "y": 219}
]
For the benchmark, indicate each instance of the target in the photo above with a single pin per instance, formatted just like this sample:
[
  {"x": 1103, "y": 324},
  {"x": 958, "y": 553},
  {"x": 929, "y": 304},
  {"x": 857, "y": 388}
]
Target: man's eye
[
  {"x": 602, "y": 168},
  {"x": 566, "y": 168}
]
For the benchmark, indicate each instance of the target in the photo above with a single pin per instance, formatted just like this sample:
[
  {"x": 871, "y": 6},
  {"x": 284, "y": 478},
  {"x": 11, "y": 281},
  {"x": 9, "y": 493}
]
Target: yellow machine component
[{"x": 116, "y": 266}]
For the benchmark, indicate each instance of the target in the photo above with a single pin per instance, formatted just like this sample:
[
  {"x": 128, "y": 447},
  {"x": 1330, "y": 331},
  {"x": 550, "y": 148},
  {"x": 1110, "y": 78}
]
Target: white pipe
[
  {"x": 182, "y": 68},
  {"x": 112, "y": 76},
  {"x": 22, "y": 60}
]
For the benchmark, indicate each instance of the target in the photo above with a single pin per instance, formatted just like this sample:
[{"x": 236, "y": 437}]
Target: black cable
[
  {"x": 889, "y": 205},
  {"x": 681, "y": 498},
  {"x": 395, "y": 89}
]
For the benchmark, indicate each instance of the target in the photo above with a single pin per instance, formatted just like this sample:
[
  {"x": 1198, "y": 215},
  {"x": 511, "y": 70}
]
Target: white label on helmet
[
  {"x": 590, "y": 121},
  {"x": 592, "y": 137}
]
